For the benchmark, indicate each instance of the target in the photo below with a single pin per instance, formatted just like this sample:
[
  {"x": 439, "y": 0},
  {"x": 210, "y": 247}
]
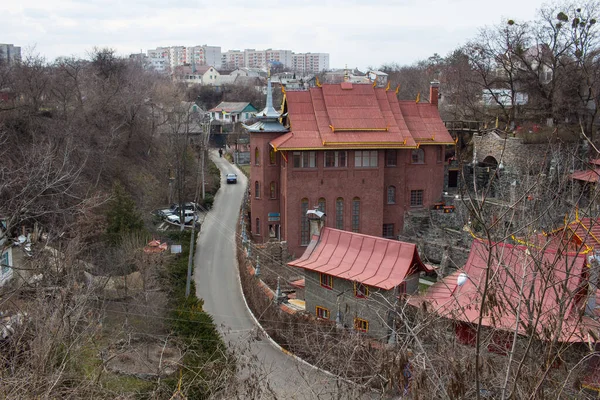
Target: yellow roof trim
[
  {"x": 367, "y": 143},
  {"x": 340, "y": 147},
  {"x": 589, "y": 232}
]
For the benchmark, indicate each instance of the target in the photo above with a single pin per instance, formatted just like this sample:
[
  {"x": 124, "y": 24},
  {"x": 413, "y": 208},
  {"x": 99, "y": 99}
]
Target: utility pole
[
  {"x": 205, "y": 140},
  {"x": 188, "y": 282}
]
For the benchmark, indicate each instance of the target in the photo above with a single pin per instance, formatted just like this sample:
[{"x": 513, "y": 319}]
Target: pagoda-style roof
[
  {"x": 516, "y": 273},
  {"x": 347, "y": 116},
  {"x": 268, "y": 118}
]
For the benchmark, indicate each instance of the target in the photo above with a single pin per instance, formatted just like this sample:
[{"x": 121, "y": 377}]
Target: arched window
[
  {"x": 272, "y": 156},
  {"x": 258, "y": 226},
  {"x": 322, "y": 204},
  {"x": 257, "y": 189},
  {"x": 391, "y": 195},
  {"x": 256, "y": 156},
  {"x": 355, "y": 214},
  {"x": 304, "y": 224},
  {"x": 418, "y": 156},
  {"x": 339, "y": 213},
  {"x": 273, "y": 190}
]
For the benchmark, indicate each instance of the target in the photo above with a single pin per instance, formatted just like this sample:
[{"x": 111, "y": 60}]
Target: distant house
[
  {"x": 250, "y": 72},
  {"x": 356, "y": 280},
  {"x": 380, "y": 78},
  {"x": 503, "y": 97},
  {"x": 203, "y": 74},
  {"x": 232, "y": 112}
]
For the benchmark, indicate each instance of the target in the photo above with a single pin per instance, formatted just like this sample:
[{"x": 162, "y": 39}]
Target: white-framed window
[
  {"x": 305, "y": 159},
  {"x": 391, "y": 158},
  {"x": 365, "y": 158},
  {"x": 416, "y": 198},
  {"x": 355, "y": 214},
  {"x": 339, "y": 213},
  {"x": 388, "y": 231},
  {"x": 391, "y": 195},
  {"x": 336, "y": 159},
  {"x": 304, "y": 223},
  {"x": 418, "y": 156}
]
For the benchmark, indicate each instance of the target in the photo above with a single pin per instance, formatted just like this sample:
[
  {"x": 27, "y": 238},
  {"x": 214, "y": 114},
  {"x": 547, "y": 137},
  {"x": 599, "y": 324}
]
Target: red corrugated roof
[
  {"x": 512, "y": 268},
  {"x": 370, "y": 260},
  {"x": 358, "y": 117}
]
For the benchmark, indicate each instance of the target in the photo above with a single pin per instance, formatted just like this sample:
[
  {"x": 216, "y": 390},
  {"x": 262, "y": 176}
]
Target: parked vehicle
[
  {"x": 174, "y": 209},
  {"x": 231, "y": 178},
  {"x": 189, "y": 217}
]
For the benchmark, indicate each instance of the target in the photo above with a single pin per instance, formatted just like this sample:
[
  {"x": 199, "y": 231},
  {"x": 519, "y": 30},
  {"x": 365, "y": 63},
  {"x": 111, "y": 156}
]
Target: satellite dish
[{"x": 462, "y": 279}]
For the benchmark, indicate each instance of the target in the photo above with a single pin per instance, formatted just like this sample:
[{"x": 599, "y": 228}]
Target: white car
[
  {"x": 174, "y": 209},
  {"x": 188, "y": 217}
]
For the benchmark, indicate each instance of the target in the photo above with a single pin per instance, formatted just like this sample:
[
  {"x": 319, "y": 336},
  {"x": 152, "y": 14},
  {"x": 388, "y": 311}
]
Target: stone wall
[{"x": 374, "y": 308}]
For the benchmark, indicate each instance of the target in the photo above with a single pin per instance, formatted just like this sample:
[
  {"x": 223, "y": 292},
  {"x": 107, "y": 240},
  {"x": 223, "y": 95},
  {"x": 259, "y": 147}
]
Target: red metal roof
[
  {"x": 358, "y": 116},
  {"x": 587, "y": 175},
  {"x": 511, "y": 268},
  {"x": 370, "y": 260}
]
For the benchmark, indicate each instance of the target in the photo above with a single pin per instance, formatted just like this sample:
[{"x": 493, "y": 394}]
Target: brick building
[{"x": 354, "y": 151}]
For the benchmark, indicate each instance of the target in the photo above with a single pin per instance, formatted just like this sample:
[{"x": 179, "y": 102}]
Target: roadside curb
[
  {"x": 277, "y": 346},
  {"x": 271, "y": 296}
]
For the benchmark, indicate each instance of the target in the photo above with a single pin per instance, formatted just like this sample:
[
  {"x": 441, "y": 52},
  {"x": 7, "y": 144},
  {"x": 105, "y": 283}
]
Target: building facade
[
  {"x": 353, "y": 151},
  {"x": 233, "y": 59},
  {"x": 356, "y": 280},
  {"x": 9, "y": 53},
  {"x": 166, "y": 59},
  {"x": 310, "y": 63}
]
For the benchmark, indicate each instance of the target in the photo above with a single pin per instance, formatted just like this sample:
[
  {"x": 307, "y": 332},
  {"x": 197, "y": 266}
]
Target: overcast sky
[{"x": 358, "y": 33}]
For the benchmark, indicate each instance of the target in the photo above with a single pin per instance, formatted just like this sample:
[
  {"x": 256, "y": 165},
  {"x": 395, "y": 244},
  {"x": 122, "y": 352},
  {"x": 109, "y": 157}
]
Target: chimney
[
  {"x": 316, "y": 220},
  {"x": 434, "y": 92},
  {"x": 594, "y": 262}
]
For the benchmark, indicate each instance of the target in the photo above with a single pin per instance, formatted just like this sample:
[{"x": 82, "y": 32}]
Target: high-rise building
[
  {"x": 233, "y": 59},
  {"x": 310, "y": 62},
  {"x": 167, "y": 58},
  {"x": 9, "y": 53},
  {"x": 204, "y": 55},
  {"x": 158, "y": 59}
]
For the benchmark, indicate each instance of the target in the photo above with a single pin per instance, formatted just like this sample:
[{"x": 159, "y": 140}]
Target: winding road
[{"x": 217, "y": 282}]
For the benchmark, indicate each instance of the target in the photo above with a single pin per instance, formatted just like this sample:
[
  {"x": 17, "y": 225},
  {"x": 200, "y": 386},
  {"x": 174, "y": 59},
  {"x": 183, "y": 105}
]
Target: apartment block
[
  {"x": 9, "y": 53},
  {"x": 311, "y": 63},
  {"x": 204, "y": 55},
  {"x": 233, "y": 59}
]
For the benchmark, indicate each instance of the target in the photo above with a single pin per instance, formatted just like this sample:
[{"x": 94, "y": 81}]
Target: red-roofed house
[
  {"x": 540, "y": 292},
  {"x": 356, "y": 280},
  {"x": 355, "y": 151}
]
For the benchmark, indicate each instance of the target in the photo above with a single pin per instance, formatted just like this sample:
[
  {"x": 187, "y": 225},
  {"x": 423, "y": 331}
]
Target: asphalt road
[{"x": 217, "y": 282}]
